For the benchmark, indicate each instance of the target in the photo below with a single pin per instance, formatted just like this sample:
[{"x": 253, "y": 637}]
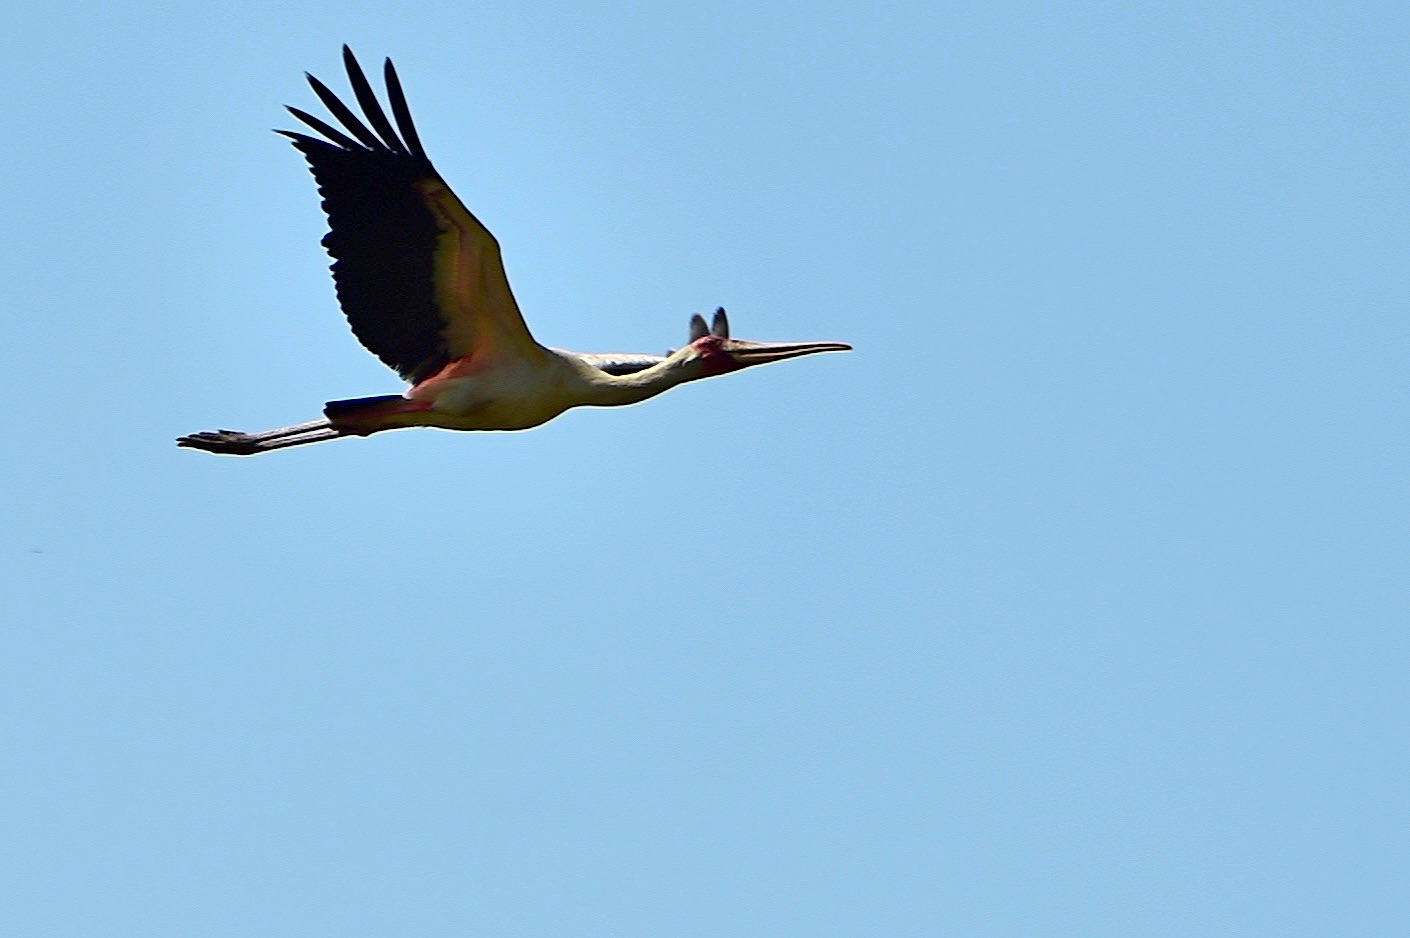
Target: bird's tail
[
  {"x": 369, "y": 414},
  {"x": 360, "y": 409}
]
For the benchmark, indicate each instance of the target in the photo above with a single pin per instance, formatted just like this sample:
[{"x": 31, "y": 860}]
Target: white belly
[{"x": 513, "y": 398}]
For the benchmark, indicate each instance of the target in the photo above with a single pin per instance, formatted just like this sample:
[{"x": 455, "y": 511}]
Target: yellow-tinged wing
[{"x": 419, "y": 278}]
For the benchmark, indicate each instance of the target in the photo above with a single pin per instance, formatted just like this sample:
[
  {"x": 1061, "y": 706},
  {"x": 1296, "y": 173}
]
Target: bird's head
[{"x": 713, "y": 352}]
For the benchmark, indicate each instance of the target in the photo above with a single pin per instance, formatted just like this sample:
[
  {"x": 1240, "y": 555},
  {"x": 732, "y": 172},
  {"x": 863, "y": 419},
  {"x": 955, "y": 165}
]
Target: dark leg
[{"x": 235, "y": 443}]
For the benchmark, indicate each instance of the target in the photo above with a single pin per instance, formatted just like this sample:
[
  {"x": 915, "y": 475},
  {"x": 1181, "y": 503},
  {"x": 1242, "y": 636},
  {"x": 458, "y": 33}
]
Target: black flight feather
[
  {"x": 371, "y": 107},
  {"x": 344, "y": 115},
  {"x": 337, "y": 136},
  {"x": 401, "y": 112},
  {"x": 382, "y": 236}
]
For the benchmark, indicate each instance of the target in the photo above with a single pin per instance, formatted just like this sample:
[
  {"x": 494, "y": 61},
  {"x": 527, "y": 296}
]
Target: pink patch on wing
[{"x": 458, "y": 368}]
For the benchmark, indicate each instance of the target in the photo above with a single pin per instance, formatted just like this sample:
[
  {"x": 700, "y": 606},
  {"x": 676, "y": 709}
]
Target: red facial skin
[{"x": 713, "y": 354}]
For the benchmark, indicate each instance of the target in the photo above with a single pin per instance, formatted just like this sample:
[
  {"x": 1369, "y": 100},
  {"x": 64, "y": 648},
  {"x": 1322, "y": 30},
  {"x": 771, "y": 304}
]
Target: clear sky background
[{"x": 1072, "y": 602}]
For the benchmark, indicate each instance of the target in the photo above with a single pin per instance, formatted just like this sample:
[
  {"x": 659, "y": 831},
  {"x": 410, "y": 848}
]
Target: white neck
[{"x": 601, "y": 389}]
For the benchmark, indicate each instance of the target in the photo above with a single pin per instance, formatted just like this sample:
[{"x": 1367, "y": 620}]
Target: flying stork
[{"x": 422, "y": 285}]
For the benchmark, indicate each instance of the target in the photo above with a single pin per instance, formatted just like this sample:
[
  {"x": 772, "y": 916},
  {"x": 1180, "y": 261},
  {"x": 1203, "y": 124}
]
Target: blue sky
[{"x": 1072, "y": 602}]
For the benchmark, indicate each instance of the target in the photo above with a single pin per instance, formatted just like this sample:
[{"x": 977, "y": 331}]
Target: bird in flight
[{"x": 422, "y": 285}]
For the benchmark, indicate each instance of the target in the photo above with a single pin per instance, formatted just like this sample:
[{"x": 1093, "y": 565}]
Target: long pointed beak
[{"x": 761, "y": 353}]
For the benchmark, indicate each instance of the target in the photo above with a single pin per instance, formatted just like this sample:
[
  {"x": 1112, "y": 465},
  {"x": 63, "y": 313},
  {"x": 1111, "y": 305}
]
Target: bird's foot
[{"x": 232, "y": 442}]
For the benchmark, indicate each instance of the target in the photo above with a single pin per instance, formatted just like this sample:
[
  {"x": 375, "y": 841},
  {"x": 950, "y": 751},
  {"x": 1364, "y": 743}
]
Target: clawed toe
[
  {"x": 237, "y": 443},
  {"x": 220, "y": 441}
]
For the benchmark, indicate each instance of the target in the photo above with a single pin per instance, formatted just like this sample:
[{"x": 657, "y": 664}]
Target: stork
[{"x": 423, "y": 287}]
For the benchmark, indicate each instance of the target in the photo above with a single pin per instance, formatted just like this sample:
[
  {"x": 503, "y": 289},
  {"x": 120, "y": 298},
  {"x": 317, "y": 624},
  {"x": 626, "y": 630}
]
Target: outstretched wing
[{"x": 419, "y": 278}]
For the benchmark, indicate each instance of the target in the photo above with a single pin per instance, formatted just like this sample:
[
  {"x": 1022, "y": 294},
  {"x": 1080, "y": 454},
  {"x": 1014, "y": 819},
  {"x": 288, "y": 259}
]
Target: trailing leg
[
  {"x": 361, "y": 416},
  {"x": 236, "y": 443}
]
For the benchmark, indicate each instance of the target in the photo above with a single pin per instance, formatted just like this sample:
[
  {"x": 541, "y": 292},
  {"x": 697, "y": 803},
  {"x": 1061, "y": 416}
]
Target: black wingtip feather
[
  {"x": 329, "y": 131},
  {"x": 401, "y": 111},
  {"x": 371, "y": 107},
  {"x": 719, "y": 326},
  {"x": 345, "y": 115}
]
